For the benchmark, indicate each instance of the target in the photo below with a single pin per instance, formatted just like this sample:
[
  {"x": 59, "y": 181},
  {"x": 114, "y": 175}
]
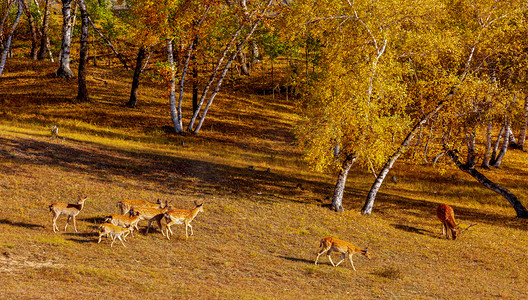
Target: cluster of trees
[
  {"x": 376, "y": 79},
  {"x": 423, "y": 75}
]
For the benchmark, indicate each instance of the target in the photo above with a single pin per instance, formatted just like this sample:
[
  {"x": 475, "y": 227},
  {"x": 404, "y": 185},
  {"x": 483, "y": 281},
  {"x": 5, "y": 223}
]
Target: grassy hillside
[{"x": 259, "y": 234}]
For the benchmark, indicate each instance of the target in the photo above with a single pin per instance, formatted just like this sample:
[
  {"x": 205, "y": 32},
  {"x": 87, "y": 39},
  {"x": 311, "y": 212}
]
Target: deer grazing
[
  {"x": 182, "y": 216},
  {"x": 127, "y": 205},
  {"x": 115, "y": 232},
  {"x": 68, "y": 209},
  {"x": 125, "y": 221},
  {"x": 446, "y": 215},
  {"x": 330, "y": 244}
]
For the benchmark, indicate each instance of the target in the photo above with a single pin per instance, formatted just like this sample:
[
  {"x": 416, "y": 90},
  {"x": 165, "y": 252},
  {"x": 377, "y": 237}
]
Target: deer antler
[{"x": 471, "y": 225}]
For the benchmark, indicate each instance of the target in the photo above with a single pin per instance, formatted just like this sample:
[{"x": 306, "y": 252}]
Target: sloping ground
[{"x": 259, "y": 233}]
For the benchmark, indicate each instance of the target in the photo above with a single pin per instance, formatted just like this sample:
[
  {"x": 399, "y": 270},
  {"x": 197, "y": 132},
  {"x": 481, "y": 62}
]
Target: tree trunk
[
  {"x": 520, "y": 210},
  {"x": 33, "y": 29},
  {"x": 337, "y": 199},
  {"x": 369, "y": 202},
  {"x": 4, "y": 19},
  {"x": 496, "y": 146},
  {"x": 487, "y": 155},
  {"x": 195, "y": 79},
  {"x": 119, "y": 56},
  {"x": 522, "y": 135},
  {"x": 9, "y": 37},
  {"x": 226, "y": 68},
  {"x": 82, "y": 94},
  {"x": 64, "y": 68},
  {"x": 142, "y": 53},
  {"x": 44, "y": 38},
  {"x": 176, "y": 116},
  {"x": 504, "y": 148}
]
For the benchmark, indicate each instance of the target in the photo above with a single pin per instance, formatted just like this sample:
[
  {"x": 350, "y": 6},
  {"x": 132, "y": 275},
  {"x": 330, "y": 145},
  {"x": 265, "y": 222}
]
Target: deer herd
[{"x": 119, "y": 226}]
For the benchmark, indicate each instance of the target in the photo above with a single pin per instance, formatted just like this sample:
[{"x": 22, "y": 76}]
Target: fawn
[
  {"x": 330, "y": 244},
  {"x": 446, "y": 215},
  {"x": 68, "y": 209},
  {"x": 125, "y": 221},
  {"x": 127, "y": 205},
  {"x": 115, "y": 232},
  {"x": 182, "y": 216}
]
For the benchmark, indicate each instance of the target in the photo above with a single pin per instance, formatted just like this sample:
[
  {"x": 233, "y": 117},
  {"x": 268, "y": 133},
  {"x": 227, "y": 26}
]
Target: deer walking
[
  {"x": 446, "y": 215},
  {"x": 127, "y": 205},
  {"x": 115, "y": 232},
  {"x": 68, "y": 209},
  {"x": 330, "y": 244},
  {"x": 182, "y": 216},
  {"x": 125, "y": 221}
]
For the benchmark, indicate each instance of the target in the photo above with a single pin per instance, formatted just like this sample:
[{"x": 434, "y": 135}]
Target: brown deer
[
  {"x": 148, "y": 213},
  {"x": 446, "y": 215},
  {"x": 115, "y": 232},
  {"x": 182, "y": 216},
  {"x": 68, "y": 209},
  {"x": 330, "y": 244},
  {"x": 125, "y": 221},
  {"x": 127, "y": 205}
]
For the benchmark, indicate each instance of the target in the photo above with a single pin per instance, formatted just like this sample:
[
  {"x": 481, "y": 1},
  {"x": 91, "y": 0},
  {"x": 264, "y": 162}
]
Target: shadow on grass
[
  {"x": 387, "y": 204},
  {"x": 21, "y": 224},
  {"x": 180, "y": 174},
  {"x": 295, "y": 259},
  {"x": 82, "y": 237},
  {"x": 94, "y": 220},
  {"x": 412, "y": 229}
]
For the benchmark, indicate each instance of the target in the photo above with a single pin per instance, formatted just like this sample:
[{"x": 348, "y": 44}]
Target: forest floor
[{"x": 260, "y": 231}]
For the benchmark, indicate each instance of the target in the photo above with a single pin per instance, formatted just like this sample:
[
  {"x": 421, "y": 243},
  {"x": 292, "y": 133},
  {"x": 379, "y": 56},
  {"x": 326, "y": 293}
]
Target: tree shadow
[
  {"x": 427, "y": 210},
  {"x": 21, "y": 224}
]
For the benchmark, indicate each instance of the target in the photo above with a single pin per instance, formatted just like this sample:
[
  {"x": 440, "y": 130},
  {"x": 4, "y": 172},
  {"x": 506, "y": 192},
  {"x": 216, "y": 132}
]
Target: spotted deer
[
  {"x": 182, "y": 216},
  {"x": 446, "y": 215},
  {"x": 115, "y": 232},
  {"x": 68, "y": 209},
  {"x": 125, "y": 221},
  {"x": 127, "y": 205},
  {"x": 147, "y": 213},
  {"x": 330, "y": 244}
]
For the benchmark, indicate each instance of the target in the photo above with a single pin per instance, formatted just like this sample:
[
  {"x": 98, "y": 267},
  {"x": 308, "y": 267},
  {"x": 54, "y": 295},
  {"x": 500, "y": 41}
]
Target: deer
[
  {"x": 127, "y": 205},
  {"x": 115, "y": 232},
  {"x": 182, "y": 216},
  {"x": 125, "y": 221},
  {"x": 68, "y": 209},
  {"x": 330, "y": 244},
  {"x": 446, "y": 215},
  {"x": 148, "y": 213}
]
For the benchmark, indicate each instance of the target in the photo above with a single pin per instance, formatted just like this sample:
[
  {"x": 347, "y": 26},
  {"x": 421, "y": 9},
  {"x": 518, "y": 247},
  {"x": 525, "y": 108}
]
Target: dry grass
[{"x": 259, "y": 234}]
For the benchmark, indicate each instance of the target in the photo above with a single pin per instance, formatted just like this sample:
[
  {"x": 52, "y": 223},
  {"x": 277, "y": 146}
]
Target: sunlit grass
[{"x": 259, "y": 234}]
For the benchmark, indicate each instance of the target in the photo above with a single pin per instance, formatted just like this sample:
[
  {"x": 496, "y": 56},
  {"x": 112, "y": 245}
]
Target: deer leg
[
  {"x": 119, "y": 237},
  {"x": 192, "y": 233},
  {"x": 330, "y": 258},
  {"x": 319, "y": 254},
  {"x": 351, "y": 262},
  {"x": 55, "y": 217},
  {"x": 67, "y": 221},
  {"x": 101, "y": 236},
  {"x": 74, "y": 224},
  {"x": 342, "y": 259}
]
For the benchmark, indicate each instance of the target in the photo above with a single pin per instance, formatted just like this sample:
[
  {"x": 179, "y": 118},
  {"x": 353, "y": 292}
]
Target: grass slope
[{"x": 259, "y": 233}]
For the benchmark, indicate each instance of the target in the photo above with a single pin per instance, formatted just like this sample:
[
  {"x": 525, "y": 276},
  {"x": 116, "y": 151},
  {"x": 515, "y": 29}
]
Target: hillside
[{"x": 259, "y": 234}]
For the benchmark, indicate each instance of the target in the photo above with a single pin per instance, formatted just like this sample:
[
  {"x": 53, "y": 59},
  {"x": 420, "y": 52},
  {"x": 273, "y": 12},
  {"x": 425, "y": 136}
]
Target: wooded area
[{"x": 432, "y": 82}]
